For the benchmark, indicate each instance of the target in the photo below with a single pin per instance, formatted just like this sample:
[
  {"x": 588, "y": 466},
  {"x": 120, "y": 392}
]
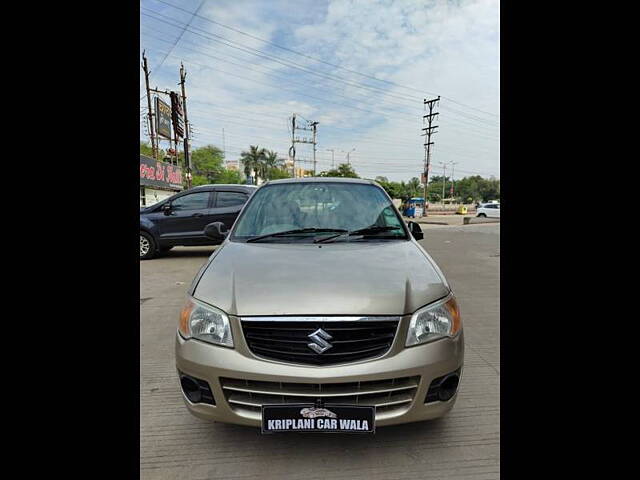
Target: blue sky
[{"x": 415, "y": 49}]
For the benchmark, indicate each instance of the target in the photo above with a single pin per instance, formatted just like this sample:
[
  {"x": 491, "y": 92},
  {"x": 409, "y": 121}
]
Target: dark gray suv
[{"x": 180, "y": 219}]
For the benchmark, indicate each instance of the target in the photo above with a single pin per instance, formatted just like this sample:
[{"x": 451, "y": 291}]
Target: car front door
[
  {"x": 227, "y": 206},
  {"x": 185, "y": 222}
]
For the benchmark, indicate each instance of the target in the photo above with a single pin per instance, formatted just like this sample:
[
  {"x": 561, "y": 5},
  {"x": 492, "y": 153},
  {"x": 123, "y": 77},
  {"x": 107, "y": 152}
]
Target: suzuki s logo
[{"x": 319, "y": 341}]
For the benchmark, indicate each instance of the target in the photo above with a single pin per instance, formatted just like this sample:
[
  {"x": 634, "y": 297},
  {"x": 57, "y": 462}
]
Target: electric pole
[
  {"x": 145, "y": 67},
  {"x": 187, "y": 153},
  {"x": 314, "y": 126},
  {"x": 430, "y": 129},
  {"x": 294, "y": 140},
  {"x": 292, "y": 148}
]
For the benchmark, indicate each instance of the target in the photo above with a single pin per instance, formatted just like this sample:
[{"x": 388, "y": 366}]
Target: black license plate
[{"x": 325, "y": 419}]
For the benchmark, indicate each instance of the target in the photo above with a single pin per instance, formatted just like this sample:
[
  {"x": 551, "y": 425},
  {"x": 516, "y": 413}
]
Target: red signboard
[{"x": 159, "y": 174}]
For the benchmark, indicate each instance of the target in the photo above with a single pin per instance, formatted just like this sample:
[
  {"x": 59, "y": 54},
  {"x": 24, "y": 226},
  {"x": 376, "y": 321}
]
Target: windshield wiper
[
  {"x": 362, "y": 231},
  {"x": 298, "y": 230}
]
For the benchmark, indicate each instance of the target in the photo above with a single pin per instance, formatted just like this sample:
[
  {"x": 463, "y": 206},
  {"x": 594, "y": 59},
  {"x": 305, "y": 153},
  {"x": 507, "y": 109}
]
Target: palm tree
[
  {"x": 253, "y": 160},
  {"x": 271, "y": 161}
]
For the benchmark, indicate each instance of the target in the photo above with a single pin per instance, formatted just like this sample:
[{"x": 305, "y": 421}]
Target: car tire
[
  {"x": 482, "y": 215},
  {"x": 147, "y": 246}
]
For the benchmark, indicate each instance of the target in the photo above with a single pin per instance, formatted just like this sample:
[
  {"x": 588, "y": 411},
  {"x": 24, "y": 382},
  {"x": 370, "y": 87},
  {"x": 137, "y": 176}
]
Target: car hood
[{"x": 345, "y": 278}]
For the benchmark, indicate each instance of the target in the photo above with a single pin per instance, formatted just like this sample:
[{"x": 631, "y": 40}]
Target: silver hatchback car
[{"x": 319, "y": 312}]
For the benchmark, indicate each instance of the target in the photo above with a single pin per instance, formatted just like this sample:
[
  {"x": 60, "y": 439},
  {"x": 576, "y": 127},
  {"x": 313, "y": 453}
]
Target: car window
[
  {"x": 193, "y": 201},
  {"x": 490, "y": 205},
  {"x": 289, "y": 206},
  {"x": 230, "y": 199}
]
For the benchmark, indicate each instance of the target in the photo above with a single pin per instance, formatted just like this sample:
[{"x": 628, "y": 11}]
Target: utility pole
[
  {"x": 430, "y": 129},
  {"x": 292, "y": 148},
  {"x": 444, "y": 179},
  {"x": 314, "y": 126},
  {"x": 333, "y": 164},
  {"x": 294, "y": 140},
  {"x": 187, "y": 152},
  {"x": 145, "y": 67}
]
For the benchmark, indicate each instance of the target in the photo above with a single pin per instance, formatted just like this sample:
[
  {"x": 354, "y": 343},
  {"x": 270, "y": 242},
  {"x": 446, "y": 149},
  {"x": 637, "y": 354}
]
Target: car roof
[
  {"x": 321, "y": 180},
  {"x": 213, "y": 186}
]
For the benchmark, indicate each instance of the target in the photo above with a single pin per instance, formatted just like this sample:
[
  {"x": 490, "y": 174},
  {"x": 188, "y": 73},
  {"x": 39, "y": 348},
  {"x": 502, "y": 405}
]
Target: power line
[
  {"x": 466, "y": 125},
  {"x": 290, "y": 64},
  {"x": 319, "y": 98},
  {"x": 422, "y": 92},
  {"x": 181, "y": 34},
  {"x": 260, "y": 53},
  {"x": 393, "y": 140}
]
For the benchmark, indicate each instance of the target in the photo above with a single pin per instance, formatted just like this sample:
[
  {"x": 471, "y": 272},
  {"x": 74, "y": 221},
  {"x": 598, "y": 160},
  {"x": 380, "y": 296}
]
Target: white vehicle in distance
[{"x": 491, "y": 210}]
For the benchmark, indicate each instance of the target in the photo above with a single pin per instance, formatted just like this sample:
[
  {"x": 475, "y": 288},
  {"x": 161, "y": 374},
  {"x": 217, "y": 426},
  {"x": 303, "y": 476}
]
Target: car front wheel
[
  {"x": 147, "y": 246},
  {"x": 482, "y": 215}
]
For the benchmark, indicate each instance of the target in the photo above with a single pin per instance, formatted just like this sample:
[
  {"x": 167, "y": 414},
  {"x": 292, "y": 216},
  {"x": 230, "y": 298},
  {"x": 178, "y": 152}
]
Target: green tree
[
  {"x": 414, "y": 188},
  {"x": 145, "y": 149},
  {"x": 254, "y": 160},
  {"x": 277, "y": 173},
  {"x": 207, "y": 162},
  {"x": 272, "y": 160},
  {"x": 229, "y": 176},
  {"x": 477, "y": 189},
  {"x": 273, "y": 166},
  {"x": 343, "y": 170}
]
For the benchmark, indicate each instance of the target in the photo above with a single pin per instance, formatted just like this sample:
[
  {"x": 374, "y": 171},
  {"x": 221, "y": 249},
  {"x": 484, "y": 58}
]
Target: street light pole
[
  {"x": 332, "y": 159},
  {"x": 452, "y": 192},
  {"x": 349, "y": 153}
]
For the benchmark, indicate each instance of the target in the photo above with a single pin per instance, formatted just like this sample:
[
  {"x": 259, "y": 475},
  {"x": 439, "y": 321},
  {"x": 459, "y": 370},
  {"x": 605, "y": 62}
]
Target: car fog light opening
[
  {"x": 196, "y": 390},
  {"x": 443, "y": 388}
]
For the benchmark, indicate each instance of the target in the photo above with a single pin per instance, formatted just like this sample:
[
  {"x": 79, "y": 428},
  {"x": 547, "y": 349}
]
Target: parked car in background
[
  {"x": 488, "y": 210},
  {"x": 180, "y": 219}
]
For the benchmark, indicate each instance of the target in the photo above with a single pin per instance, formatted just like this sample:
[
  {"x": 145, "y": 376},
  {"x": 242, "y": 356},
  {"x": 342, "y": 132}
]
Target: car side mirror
[
  {"x": 166, "y": 208},
  {"x": 215, "y": 230},
  {"x": 416, "y": 230}
]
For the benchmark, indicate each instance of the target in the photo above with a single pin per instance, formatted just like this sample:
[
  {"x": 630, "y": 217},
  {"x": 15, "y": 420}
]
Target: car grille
[
  {"x": 350, "y": 340},
  {"x": 387, "y": 396}
]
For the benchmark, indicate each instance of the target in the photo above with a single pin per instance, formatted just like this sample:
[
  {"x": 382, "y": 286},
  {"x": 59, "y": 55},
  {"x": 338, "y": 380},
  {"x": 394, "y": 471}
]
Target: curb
[{"x": 476, "y": 220}]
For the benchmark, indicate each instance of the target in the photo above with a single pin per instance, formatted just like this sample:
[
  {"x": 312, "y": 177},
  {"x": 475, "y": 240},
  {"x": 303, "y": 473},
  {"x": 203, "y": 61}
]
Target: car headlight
[
  {"x": 440, "y": 319},
  {"x": 204, "y": 322}
]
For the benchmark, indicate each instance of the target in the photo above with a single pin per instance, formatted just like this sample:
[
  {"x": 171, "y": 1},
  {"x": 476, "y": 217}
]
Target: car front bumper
[{"x": 423, "y": 363}]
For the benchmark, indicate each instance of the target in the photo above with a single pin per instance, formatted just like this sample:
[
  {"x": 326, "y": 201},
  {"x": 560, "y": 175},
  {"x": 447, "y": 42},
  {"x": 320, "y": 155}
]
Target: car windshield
[{"x": 321, "y": 209}]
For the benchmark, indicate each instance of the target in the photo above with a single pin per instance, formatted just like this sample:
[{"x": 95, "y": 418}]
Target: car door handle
[{"x": 197, "y": 214}]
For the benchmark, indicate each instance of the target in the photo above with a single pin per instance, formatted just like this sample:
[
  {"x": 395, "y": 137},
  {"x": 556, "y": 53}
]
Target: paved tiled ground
[{"x": 464, "y": 444}]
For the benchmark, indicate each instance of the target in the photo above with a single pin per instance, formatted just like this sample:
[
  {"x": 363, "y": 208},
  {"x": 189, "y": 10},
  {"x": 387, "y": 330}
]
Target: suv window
[
  {"x": 193, "y": 201},
  {"x": 230, "y": 199}
]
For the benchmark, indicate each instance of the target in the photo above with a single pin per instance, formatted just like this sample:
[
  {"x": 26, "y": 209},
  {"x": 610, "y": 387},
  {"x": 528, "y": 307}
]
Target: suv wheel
[
  {"x": 147, "y": 246},
  {"x": 482, "y": 215}
]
